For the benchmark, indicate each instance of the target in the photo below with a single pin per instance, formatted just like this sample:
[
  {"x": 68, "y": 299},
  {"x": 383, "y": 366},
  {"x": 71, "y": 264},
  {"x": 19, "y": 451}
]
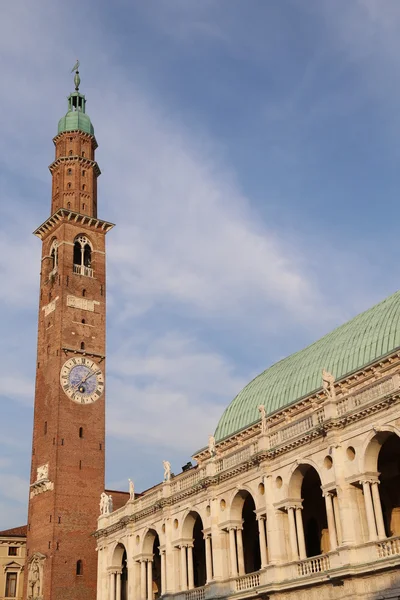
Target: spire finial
[{"x": 77, "y": 79}]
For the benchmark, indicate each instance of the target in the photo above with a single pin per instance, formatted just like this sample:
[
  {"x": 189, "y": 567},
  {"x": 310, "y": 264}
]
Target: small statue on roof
[
  {"x": 263, "y": 414},
  {"x": 328, "y": 385}
]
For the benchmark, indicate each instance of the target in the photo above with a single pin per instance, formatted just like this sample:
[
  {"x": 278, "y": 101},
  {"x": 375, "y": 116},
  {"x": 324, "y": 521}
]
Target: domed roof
[
  {"x": 369, "y": 336},
  {"x": 75, "y": 119}
]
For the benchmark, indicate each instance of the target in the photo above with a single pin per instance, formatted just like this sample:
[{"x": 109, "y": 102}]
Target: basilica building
[{"x": 295, "y": 496}]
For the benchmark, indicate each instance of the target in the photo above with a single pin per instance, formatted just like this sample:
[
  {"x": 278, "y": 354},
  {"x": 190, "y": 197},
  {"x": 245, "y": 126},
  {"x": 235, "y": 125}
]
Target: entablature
[{"x": 66, "y": 215}]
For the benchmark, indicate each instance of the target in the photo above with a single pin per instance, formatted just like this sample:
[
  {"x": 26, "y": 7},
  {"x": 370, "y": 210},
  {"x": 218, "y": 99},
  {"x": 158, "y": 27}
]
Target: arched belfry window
[
  {"x": 54, "y": 256},
  {"x": 83, "y": 256}
]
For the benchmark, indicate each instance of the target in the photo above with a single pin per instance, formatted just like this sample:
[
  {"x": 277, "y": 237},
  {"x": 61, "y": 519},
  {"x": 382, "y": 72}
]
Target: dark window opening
[
  {"x": 45, "y": 427},
  {"x": 59, "y": 519},
  {"x": 68, "y": 204},
  {"x": 81, "y": 432},
  {"x": 83, "y": 321},
  {"x": 13, "y": 551},
  {"x": 83, "y": 293},
  {"x": 82, "y": 345},
  {"x": 83, "y": 173},
  {"x": 69, "y": 171},
  {"x": 84, "y": 187},
  {"x": 79, "y": 567},
  {"x": 80, "y": 465},
  {"x": 70, "y": 152},
  {"x": 69, "y": 186},
  {"x": 83, "y": 153}
]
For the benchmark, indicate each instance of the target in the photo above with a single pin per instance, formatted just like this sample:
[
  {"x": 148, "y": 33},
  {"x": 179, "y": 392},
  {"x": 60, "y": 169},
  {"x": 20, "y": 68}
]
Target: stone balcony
[{"x": 329, "y": 568}]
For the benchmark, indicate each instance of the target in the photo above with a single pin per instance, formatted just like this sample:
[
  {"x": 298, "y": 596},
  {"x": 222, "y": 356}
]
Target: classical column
[
  {"x": 209, "y": 569},
  {"x": 300, "y": 534},
  {"x": 184, "y": 580},
  {"x": 263, "y": 541},
  {"x": 163, "y": 573},
  {"x": 112, "y": 586},
  {"x": 338, "y": 524},
  {"x": 331, "y": 521},
  {"x": 369, "y": 510},
  {"x": 232, "y": 552},
  {"x": 149, "y": 580},
  {"x": 190, "y": 567},
  {"x": 143, "y": 570},
  {"x": 292, "y": 533},
  {"x": 118, "y": 587},
  {"x": 239, "y": 541},
  {"x": 378, "y": 510}
]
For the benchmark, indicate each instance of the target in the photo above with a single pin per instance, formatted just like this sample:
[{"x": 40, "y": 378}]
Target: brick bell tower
[{"x": 67, "y": 472}]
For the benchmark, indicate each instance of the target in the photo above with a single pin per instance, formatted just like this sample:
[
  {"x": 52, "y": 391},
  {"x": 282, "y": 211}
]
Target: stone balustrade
[
  {"x": 319, "y": 564},
  {"x": 389, "y": 547},
  {"x": 247, "y": 582},
  {"x": 196, "y": 594}
]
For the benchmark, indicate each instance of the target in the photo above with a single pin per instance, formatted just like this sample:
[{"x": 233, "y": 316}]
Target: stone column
[
  {"x": 149, "y": 580},
  {"x": 232, "y": 552},
  {"x": 112, "y": 586},
  {"x": 239, "y": 542},
  {"x": 209, "y": 566},
  {"x": 300, "y": 534},
  {"x": 143, "y": 571},
  {"x": 184, "y": 580},
  {"x": 338, "y": 524},
  {"x": 292, "y": 533},
  {"x": 118, "y": 587},
  {"x": 190, "y": 567},
  {"x": 263, "y": 541},
  {"x": 378, "y": 510},
  {"x": 163, "y": 573},
  {"x": 331, "y": 521},
  {"x": 370, "y": 511}
]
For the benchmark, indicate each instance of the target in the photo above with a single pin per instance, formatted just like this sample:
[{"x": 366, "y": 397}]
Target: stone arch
[
  {"x": 192, "y": 532},
  {"x": 83, "y": 249},
  {"x": 382, "y": 458},
  {"x": 305, "y": 487},
  {"x": 296, "y": 475},
  {"x": 119, "y": 562},
  {"x": 117, "y": 554},
  {"x": 372, "y": 446},
  {"x": 151, "y": 551},
  {"x": 243, "y": 512}
]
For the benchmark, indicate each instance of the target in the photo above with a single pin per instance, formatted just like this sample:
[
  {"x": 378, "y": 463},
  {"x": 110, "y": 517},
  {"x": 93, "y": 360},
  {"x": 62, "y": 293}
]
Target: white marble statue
[
  {"x": 167, "y": 470},
  {"x": 263, "y": 414},
  {"x": 35, "y": 577},
  {"x": 328, "y": 384},
  {"x": 105, "y": 504},
  {"x": 110, "y": 504},
  {"x": 211, "y": 446},
  {"x": 131, "y": 490}
]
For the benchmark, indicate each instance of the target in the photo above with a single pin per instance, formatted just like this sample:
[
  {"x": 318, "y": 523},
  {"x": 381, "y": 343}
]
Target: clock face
[{"x": 82, "y": 380}]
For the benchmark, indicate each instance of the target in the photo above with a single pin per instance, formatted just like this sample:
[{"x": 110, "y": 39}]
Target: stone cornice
[
  {"x": 76, "y": 158},
  {"x": 65, "y": 215},
  {"x": 81, "y": 133}
]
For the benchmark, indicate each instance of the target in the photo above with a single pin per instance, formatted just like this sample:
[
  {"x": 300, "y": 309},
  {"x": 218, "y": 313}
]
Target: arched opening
[
  {"x": 195, "y": 552},
  {"x": 251, "y": 543},
  {"x": 246, "y": 541},
  {"x": 83, "y": 256},
  {"x": 389, "y": 488},
  {"x": 54, "y": 255},
  {"x": 151, "y": 550},
  {"x": 119, "y": 562},
  {"x": 124, "y": 577},
  {"x": 311, "y": 535}
]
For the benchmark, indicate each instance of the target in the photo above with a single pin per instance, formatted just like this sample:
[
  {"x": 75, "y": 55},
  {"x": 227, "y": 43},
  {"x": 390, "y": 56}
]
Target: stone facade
[
  {"x": 303, "y": 504},
  {"x": 12, "y": 562}
]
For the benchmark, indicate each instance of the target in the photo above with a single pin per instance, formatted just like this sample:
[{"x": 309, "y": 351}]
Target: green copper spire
[{"x": 76, "y": 117}]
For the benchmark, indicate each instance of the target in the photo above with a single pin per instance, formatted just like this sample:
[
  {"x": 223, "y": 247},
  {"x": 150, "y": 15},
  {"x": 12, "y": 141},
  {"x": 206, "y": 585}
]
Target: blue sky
[{"x": 250, "y": 159}]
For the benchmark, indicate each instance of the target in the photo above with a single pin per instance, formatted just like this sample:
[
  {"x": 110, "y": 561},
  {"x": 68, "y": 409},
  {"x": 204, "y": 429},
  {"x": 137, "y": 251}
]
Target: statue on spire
[{"x": 77, "y": 79}]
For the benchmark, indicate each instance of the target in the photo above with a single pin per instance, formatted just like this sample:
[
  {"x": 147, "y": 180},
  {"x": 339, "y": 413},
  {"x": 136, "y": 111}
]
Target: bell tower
[{"x": 67, "y": 470}]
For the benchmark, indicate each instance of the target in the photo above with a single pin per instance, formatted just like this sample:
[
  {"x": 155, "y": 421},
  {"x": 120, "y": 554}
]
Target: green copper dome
[
  {"x": 76, "y": 117},
  {"x": 369, "y": 336}
]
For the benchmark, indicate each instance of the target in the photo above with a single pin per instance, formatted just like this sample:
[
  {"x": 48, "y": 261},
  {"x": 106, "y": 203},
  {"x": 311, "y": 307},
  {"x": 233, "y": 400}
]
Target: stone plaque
[{"x": 82, "y": 303}]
